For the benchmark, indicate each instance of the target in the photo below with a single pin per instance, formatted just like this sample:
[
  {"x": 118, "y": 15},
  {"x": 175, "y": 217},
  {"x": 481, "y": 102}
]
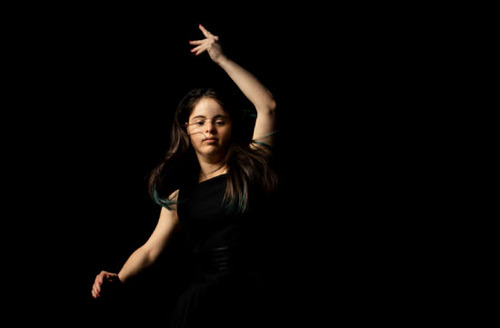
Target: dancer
[{"x": 213, "y": 184}]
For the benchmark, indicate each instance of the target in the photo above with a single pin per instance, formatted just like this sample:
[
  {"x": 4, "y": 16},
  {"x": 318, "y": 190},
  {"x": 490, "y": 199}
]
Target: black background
[{"x": 96, "y": 89}]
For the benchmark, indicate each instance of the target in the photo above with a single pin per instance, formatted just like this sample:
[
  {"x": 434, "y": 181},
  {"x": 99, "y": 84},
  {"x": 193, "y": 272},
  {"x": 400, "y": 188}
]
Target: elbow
[
  {"x": 272, "y": 105},
  {"x": 268, "y": 107},
  {"x": 271, "y": 102}
]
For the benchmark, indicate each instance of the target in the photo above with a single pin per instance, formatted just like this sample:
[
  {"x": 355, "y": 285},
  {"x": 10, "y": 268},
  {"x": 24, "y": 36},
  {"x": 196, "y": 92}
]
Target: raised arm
[{"x": 251, "y": 87}]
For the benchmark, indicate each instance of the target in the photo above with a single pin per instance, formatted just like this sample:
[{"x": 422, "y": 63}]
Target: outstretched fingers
[
  {"x": 210, "y": 44},
  {"x": 197, "y": 42},
  {"x": 201, "y": 48},
  {"x": 205, "y": 44},
  {"x": 205, "y": 32}
]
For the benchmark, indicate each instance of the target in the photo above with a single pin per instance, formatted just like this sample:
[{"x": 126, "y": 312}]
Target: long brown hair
[{"x": 247, "y": 166}]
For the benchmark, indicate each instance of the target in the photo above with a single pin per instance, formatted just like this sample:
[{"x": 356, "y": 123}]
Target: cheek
[
  {"x": 225, "y": 133},
  {"x": 194, "y": 139}
]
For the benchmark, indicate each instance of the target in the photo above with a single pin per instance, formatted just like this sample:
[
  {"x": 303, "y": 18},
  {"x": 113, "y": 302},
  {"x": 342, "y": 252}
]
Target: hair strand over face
[{"x": 247, "y": 166}]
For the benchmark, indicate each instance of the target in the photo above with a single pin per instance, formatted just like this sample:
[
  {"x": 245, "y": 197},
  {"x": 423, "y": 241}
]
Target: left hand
[{"x": 210, "y": 44}]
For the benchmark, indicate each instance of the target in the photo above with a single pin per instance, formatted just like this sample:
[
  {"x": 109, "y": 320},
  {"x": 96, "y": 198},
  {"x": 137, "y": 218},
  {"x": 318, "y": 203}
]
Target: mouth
[{"x": 210, "y": 140}]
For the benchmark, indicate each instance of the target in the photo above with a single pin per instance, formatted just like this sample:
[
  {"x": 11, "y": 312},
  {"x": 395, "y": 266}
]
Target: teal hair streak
[
  {"x": 237, "y": 206},
  {"x": 260, "y": 143},
  {"x": 167, "y": 203}
]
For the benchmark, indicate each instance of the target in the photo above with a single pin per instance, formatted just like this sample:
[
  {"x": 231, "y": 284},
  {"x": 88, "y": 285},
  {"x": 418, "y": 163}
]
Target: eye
[{"x": 220, "y": 123}]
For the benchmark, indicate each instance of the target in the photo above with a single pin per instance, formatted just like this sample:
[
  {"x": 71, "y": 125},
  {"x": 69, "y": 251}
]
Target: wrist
[
  {"x": 121, "y": 277},
  {"x": 221, "y": 60}
]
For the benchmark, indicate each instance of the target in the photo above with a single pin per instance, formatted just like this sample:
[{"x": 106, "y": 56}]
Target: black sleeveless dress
[{"x": 226, "y": 289}]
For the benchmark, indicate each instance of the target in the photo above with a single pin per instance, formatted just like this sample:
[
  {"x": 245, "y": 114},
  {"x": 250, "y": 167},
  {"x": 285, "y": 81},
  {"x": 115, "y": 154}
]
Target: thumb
[{"x": 205, "y": 32}]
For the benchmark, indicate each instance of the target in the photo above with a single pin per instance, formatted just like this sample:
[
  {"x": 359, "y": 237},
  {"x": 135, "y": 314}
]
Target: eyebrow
[{"x": 215, "y": 117}]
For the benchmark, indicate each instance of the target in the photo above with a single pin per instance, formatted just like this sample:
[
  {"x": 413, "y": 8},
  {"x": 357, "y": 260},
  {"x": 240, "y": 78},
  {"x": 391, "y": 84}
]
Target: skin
[
  {"x": 209, "y": 153},
  {"x": 209, "y": 128}
]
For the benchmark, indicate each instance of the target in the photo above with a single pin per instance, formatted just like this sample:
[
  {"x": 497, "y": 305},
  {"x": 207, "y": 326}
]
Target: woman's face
[{"x": 209, "y": 129}]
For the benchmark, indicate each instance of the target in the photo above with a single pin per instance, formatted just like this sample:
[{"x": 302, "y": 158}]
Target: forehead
[{"x": 207, "y": 107}]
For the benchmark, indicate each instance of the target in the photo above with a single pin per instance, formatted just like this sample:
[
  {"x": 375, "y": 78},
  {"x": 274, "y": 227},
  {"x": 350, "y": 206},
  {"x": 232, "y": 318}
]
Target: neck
[{"x": 209, "y": 170}]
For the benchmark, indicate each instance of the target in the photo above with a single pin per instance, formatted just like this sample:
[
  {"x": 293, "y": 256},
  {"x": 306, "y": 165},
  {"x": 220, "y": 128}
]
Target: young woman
[{"x": 213, "y": 183}]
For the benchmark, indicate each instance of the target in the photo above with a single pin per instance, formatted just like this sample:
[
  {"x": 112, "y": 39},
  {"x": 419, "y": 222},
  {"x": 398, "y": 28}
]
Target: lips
[{"x": 210, "y": 140}]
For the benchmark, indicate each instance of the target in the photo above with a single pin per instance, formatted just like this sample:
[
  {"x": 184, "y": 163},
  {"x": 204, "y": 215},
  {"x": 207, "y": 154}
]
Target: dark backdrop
[
  {"x": 106, "y": 87},
  {"x": 98, "y": 87}
]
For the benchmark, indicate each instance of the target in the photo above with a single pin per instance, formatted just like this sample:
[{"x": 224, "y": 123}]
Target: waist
[{"x": 219, "y": 260}]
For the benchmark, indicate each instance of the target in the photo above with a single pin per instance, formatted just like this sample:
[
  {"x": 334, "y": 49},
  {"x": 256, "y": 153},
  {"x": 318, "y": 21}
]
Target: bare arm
[
  {"x": 148, "y": 253},
  {"x": 251, "y": 87},
  {"x": 260, "y": 97},
  {"x": 144, "y": 256}
]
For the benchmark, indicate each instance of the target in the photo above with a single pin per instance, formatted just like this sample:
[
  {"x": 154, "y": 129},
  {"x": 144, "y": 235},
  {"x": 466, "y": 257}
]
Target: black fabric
[{"x": 226, "y": 289}]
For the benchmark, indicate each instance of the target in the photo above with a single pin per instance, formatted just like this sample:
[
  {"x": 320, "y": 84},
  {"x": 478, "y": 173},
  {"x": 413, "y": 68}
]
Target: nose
[{"x": 210, "y": 128}]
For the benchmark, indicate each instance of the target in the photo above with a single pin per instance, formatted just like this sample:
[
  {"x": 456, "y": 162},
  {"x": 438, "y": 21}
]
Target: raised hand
[{"x": 210, "y": 44}]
